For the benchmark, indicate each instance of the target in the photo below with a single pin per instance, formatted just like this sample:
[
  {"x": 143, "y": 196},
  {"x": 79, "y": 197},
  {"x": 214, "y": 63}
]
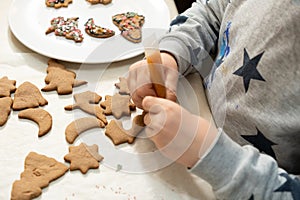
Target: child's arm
[
  {"x": 237, "y": 172},
  {"x": 194, "y": 34}
]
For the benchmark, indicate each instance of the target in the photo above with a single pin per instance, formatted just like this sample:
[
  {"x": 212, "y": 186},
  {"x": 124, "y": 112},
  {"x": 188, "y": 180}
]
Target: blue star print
[{"x": 291, "y": 185}]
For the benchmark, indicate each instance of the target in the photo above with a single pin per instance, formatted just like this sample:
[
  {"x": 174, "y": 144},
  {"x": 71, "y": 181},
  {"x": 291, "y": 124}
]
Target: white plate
[{"x": 29, "y": 19}]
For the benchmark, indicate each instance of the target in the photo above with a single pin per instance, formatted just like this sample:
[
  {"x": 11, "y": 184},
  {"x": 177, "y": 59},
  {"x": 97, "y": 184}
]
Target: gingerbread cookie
[
  {"x": 58, "y": 3},
  {"x": 39, "y": 116},
  {"x": 122, "y": 86},
  {"x": 5, "y": 107},
  {"x": 78, "y": 126},
  {"x": 117, "y": 105},
  {"x": 88, "y": 102},
  {"x": 28, "y": 96},
  {"x": 7, "y": 87},
  {"x": 60, "y": 79},
  {"x": 99, "y": 1},
  {"x": 118, "y": 135},
  {"x": 83, "y": 157},
  {"x": 97, "y": 31},
  {"x": 130, "y": 24},
  {"x": 39, "y": 171},
  {"x": 66, "y": 28}
]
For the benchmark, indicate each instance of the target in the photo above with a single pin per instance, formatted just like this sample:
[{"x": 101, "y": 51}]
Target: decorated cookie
[
  {"x": 78, "y": 126},
  {"x": 117, "y": 105},
  {"x": 118, "y": 135},
  {"x": 39, "y": 171},
  {"x": 5, "y": 108},
  {"x": 130, "y": 24},
  {"x": 28, "y": 96},
  {"x": 122, "y": 86},
  {"x": 83, "y": 157},
  {"x": 97, "y": 31},
  {"x": 39, "y": 116},
  {"x": 60, "y": 79},
  {"x": 58, "y": 3},
  {"x": 7, "y": 87},
  {"x": 88, "y": 102},
  {"x": 99, "y": 1},
  {"x": 66, "y": 28}
]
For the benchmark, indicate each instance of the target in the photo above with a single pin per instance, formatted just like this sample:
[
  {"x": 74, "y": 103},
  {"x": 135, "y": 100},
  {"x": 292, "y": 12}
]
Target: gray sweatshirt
[{"x": 253, "y": 89}]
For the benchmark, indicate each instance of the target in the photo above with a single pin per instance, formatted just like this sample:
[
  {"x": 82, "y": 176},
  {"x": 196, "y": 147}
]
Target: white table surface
[{"x": 19, "y": 137}]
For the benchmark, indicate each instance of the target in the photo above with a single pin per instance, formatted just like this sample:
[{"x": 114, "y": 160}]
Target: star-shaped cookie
[
  {"x": 83, "y": 157},
  {"x": 118, "y": 135},
  {"x": 7, "y": 86},
  {"x": 122, "y": 86},
  {"x": 117, "y": 105}
]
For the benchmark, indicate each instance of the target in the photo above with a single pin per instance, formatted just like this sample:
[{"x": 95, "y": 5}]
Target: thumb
[{"x": 153, "y": 104}]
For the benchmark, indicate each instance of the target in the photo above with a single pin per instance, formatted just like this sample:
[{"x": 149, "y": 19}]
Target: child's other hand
[
  {"x": 139, "y": 82},
  {"x": 178, "y": 134}
]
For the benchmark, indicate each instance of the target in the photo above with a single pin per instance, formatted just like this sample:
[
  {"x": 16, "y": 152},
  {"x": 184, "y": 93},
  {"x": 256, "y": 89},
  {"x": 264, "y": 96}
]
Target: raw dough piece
[
  {"x": 60, "y": 79},
  {"x": 83, "y": 157},
  {"x": 40, "y": 116},
  {"x": 28, "y": 96}
]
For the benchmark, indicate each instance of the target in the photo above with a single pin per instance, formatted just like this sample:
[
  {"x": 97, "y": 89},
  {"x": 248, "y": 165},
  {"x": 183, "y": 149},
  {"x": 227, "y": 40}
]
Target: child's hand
[
  {"x": 178, "y": 134},
  {"x": 139, "y": 82}
]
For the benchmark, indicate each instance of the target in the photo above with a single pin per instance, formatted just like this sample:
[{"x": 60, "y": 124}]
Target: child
[{"x": 253, "y": 90}]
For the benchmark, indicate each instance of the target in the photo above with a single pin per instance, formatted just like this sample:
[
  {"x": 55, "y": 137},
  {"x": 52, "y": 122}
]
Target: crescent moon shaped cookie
[
  {"x": 39, "y": 116},
  {"x": 58, "y": 3},
  {"x": 100, "y": 1},
  {"x": 97, "y": 31},
  {"x": 77, "y": 127},
  {"x": 130, "y": 24}
]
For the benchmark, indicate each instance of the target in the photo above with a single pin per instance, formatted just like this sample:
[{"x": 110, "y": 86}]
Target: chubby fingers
[
  {"x": 152, "y": 104},
  {"x": 139, "y": 82}
]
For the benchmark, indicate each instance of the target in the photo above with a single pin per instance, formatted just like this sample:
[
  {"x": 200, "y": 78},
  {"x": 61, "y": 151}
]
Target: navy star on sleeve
[{"x": 291, "y": 185}]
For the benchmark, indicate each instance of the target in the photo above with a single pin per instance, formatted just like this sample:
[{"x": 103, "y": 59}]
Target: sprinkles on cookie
[{"x": 66, "y": 28}]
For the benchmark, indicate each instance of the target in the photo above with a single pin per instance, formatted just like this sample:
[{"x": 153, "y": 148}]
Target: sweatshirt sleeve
[
  {"x": 193, "y": 35},
  {"x": 237, "y": 172}
]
